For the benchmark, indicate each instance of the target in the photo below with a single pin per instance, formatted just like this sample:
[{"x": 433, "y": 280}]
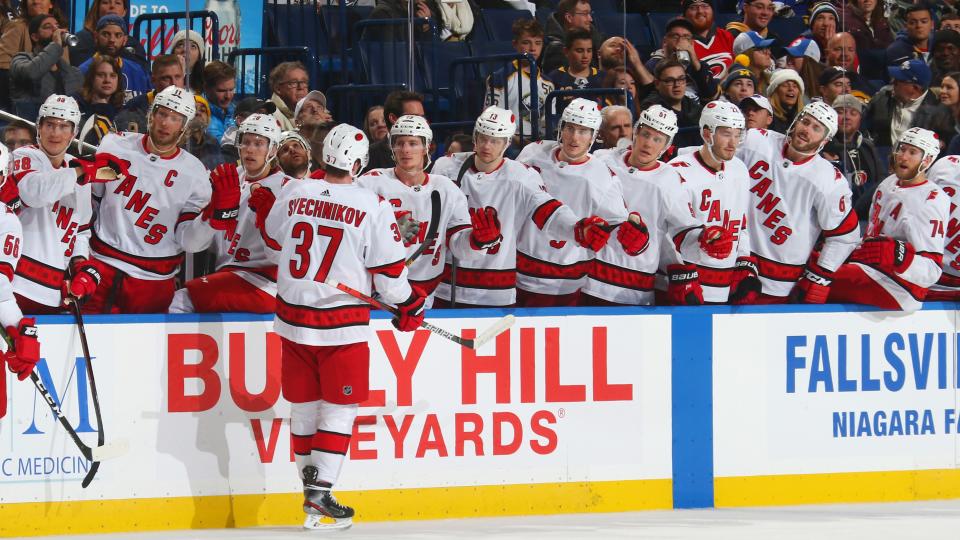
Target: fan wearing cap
[
  {"x": 678, "y": 44},
  {"x": 552, "y": 273},
  {"x": 823, "y": 20},
  {"x": 852, "y": 151},
  {"x": 246, "y": 274},
  {"x": 312, "y": 109},
  {"x": 514, "y": 194},
  {"x": 753, "y": 53},
  {"x": 738, "y": 84},
  {"x": 714, "y": 46},
  {"x": 670, "y": 84},
  {"x": 867, "y": 22},
  {"x": 914, "y": 41},
  {"x": 293, "y": 156},
  {"x": 902, "y": 251},
  {"x": 945, "y": 172},
  {"x": 834, "y": 81},
  {"x": 757, "y": 111},
  {"x": 715, "y": 184},
  {"x": 796, "y": 199},
  {"x": 906, "y": 103},
  {"x": 161, "y": 206},
  {"x": 110, "y": 39}
]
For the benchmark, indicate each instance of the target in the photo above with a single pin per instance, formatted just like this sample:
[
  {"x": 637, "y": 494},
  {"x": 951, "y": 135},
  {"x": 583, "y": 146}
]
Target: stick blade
[
  {"x": 495, "y": 330},
  {"x": 110, "y": 450}
]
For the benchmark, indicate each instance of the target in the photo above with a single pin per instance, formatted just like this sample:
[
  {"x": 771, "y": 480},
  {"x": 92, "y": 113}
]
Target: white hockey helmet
[
  {"x": 294, "y": 136},
  {"x": 924, "y": 139},
  {"x": 659, "y": 118},
  {"x": 343, "y": 146},
  {"x": 582, "y": 112},
  {"x": 265, "y": 125},
  {"x": 4, "y": 162},
  {"x": 62, "y": 107},
  {"x": 821, "y": 112},
  {"x": 413, "y": 126},
  {"x": 178, "y": 100},
  {"x": 496, "y": 122},
  {"x": 717, "y": 114}
]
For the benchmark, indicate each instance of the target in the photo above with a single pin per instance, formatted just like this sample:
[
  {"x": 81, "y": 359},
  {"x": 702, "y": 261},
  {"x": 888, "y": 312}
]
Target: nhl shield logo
[{"x": 347, "y": 390}]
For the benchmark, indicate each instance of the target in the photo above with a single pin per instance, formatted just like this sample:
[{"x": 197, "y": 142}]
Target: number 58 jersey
[{"x": 339, "y": 232}]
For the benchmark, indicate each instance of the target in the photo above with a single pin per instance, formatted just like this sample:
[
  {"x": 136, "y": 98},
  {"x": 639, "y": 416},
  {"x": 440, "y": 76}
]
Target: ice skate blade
[{"x": 315, "y": 523}]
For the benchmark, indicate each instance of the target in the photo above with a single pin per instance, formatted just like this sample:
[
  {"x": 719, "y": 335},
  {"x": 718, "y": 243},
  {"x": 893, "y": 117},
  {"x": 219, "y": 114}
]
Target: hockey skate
[{"x": 321, "y": 506}]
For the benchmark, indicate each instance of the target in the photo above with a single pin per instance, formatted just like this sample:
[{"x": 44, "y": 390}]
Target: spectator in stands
[
  {"x": 803, "y": 56},
  {"x": 617, "y": 125},
  {"x": 509, "y": 87},
  {"x": 906, "y": 103},
  {"x": 293, "y": 155},
  {"x": 36, "y": 75},
  {"x": 219, "y": 80},
  {"x": 915, "y": 42},
  {"x": 823, "y": 21},
  {"x": 738, "y": 84},
  {"x": 950, "y": 98},
  {"x": 101, "y": 97},
  {"x": 852, "y": 151},
  {"x": 678, "y": 44},
  {"x": 167, "y": 69},
  {"x": 289, "y": 82},
  {"x": 950, "y": 21},
  {"x": 946, "y": 55},
  {"x": 85, "y": 37},
  {"x": 244, "y": 108},
  {"x": 786, "y": 98},
  {"x": 842, "y": 52},
  {"x": 757, "y": 111},
  {"x": 200, "y": 143},
  {"x": 397, "y": 104},
  {"x": 833, "y": 82},
  {"x": 713, "y": 46},
  {"x": 110, "y": 40},
  {"x": 18, "y": 134},
  {"x": 753, "y": 52},
  {"x": 865, "y": 21},
  {"x": 757, "y": 15},
  {"x": 397, "y": 9},
  {"x": 458, "y": 142},
  {"x": 619, "y": 77},
  {"x": 312, "y": 109},
  {"x": 16, "y": 38},
  {"x": 456, "y": 21},
  {"x": 671, "y": 86},
  {"x": 194, "y": 60},
  {"x": 570, "y": 15},
  {"x": 577, "y": 73},
  {"x": 374, "y": 125}
]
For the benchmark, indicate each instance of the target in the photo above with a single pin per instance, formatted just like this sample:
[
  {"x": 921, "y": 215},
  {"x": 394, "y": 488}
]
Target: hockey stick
[
  {"x": 467, "y": 165},
  {"x": 475, "y": 343},
  {"x": 82, "y": 146},
  {"x": 432, "y": 228}
]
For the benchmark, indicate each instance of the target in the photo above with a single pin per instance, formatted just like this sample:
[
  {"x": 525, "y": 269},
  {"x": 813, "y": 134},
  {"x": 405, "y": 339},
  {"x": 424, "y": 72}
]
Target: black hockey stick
[
  {"x": 432, "y": 228},
  {"x": 75, "y": 308},
  {"x": 467, "y": 165}
]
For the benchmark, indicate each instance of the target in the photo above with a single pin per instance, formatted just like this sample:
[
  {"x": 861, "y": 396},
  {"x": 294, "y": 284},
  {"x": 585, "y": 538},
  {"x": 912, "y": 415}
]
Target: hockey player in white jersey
[
  {"x": 56, "y": 211},
  {"x": 946, "y": 174},
  {"x": 798, "y": 198},
  {"x": 408, "y": 189},
  {"x": 716, "y": 185},
  {"x": 246, "y": 276},
  {"x": 551, "y": 273},
  {"x": 902, "y": 252},
  {"x": 155, "y": 211},
  {"x": 505, "y": 197},
  {"x": 332, "y": 229}
]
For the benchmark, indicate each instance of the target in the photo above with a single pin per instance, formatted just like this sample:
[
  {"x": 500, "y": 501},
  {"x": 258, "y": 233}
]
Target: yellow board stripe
[
  {"x": 888, "y": 486},
  {"x": 123, "y": 515}
]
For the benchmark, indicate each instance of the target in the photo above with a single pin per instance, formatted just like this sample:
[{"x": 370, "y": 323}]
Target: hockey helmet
[
  {"x": 62, "y": 107},
  {"x": 412, "y": 125},
  {"x": 659, "y": 118},
  {"x": 582, "y": 112},
  {"x": 343, "y": 146},
  {"x": 927, "y": 141},
  {"x": 719, "y": 114},
  {"x": 496, "y": 122},
  {"x": 294, "y": 136},
  {"x": 4, "y": 161},
  {"x": 265, "y": 125},
  {"x": 177, "y": 100},
  {"x": 821, "y": 112}
]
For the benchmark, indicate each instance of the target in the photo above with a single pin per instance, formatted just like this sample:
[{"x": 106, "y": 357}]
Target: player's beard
[
  {"x": 164, "y": 143},
  {"x": 800, "y": 147}
]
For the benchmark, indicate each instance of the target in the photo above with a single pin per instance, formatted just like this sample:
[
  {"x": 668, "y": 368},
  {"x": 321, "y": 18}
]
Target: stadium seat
[
  {"x": 498, "y": 22},
  {"x": 722, "y": 19},
  {"x": 385, "y": 62},
  {"x": 332, "y": 22},
  {"x": 788, "y": 29},
  {"x": 604, "y": 7},
  {"x": 638, "y": 30},
  {"x": 437, "y": 61},
  {"x": 658, "y": 25}
]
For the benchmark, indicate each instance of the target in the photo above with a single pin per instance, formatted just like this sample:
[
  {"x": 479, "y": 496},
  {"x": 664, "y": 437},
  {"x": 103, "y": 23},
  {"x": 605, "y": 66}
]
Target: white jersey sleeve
[
  {"x": 10, "y": 245},
  {"x": 838, "y": 221},
  {"x": 41, "y": 185},
  {"x": 946, "y": 173}
]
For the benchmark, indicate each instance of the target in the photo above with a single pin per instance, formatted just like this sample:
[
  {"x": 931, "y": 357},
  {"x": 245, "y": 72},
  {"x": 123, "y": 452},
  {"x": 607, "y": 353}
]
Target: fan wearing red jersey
[
  {"x": 901, "y": 255},
  {"x": 159, "y": 208},
  {"x": 505, "y": 197},
  {"x": 332, "y": 229},
  {"x": 946, "y": 174},
  {"x": 797, "y": 199},
  {"x": 246, "y": 277}
]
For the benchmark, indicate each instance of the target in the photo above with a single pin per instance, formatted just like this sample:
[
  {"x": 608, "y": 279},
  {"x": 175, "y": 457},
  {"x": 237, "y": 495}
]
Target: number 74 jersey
[{"x": 339, "y": 232}]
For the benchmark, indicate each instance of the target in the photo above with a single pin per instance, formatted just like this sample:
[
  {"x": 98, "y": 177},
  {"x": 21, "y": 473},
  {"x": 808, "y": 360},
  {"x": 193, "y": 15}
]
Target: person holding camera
[
  {"x": 678, "y": 45},
  {"x": 43, "y": 71}
]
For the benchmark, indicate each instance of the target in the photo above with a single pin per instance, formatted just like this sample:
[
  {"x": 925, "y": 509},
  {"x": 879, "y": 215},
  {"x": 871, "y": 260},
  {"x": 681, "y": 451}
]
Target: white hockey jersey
[
  {"x": 11, "y": 244},
  {"x": 918, "y": 215},
  {"x": 946, "y": 174},
  {"x": 517, "y": 193},
  {"x": 718, "y": 198},
  {"x": 663, "y": 204},
  {"x": 56, "y": 218},
  {"x": 510, "y": 89},
  {"x": 147, "y": 220},
  {"x": 333, "y": 231},
  {"x": 455, "y": 226},
  {"x": 792, "y": 206},
  {"x": 589, "y": 188}
]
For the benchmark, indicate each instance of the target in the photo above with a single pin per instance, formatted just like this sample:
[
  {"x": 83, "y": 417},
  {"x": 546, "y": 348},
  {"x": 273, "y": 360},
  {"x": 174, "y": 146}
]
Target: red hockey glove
[
  {"x": 684, "y": 287},
  {"x": 410, "y": 313},
  {"x": 813, "y": 287},
  {"x": 716, "y": 242},
  {"x": 745, "y": 285},
  {"x": 225, "y": 202},
  {"x": 486, "y": 228},
  {"x": 83, "y": 277},
  {"x": 409, "y": 227},
  {"x": 633, "y": 235},
  {"x": 261, "y": 201},
  {"x": 26, "y": 348},
  {"x": 10, "y": 195},
  {"x": 93, "y": 165},
  {"x": 885, "y": 253},
  {"x": 592, "y": 232}
]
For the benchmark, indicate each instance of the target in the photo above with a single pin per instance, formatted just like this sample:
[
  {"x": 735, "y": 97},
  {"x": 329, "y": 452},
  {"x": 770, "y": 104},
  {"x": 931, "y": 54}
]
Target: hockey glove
[
  {"x": 26, "y": 348},
  {"x": 409, "y": 227},
  {"x": 94, "y": 165},
  {"x": 261, "y": 202},
  {"x": 225, "y": 202},
  {"x": 592, "y": 232},
  {"x": 745, "y": 285},
  {"x": 684, "y": 287},
  {"x": 716, "y": 242},
  {"x": 633, "y": 235},
  {"x": 83, "y": 278},
  {"x": 409, "y": 315},
  {"x": 813, "y": 287},
  {"x": 885, "y": 253},
  {"x": 486, "y": 228},
  {"x": 10, "y": 195}
]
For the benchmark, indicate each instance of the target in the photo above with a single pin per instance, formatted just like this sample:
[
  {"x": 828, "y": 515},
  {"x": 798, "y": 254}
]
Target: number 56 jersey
[{"x": 340, "y": 232}]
